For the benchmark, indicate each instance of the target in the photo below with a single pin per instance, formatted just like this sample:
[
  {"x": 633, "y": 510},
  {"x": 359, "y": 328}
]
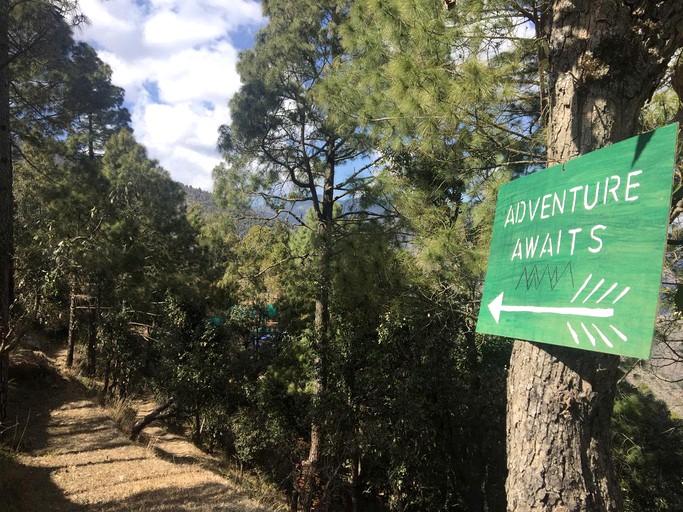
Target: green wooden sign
[{"x": 577, "y": 250}]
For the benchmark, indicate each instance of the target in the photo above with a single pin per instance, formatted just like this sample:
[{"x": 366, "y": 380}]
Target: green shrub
[{"x": 648, "y": 452}]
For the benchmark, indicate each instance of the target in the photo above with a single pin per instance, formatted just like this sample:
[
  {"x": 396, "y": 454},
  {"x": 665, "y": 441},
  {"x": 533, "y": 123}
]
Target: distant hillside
[
  {"x": 243, "y": 220},
  {"x": 259, "y": 215},
  {"x": 201, "y": 198}
]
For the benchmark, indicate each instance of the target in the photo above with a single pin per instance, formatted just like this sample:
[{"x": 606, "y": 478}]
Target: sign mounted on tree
[{"x": 577, "y": 249}]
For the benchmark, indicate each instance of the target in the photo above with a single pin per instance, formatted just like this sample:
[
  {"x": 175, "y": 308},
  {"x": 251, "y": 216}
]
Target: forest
[{"x": 315, "y": 319}]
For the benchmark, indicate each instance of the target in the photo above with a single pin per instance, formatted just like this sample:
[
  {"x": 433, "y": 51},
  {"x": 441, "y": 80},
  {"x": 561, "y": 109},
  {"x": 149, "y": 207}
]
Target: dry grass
[
  {"x": 123, "y": 413},
  {"x": 75, "y": 459},
  {"x": 256, "y": 487}
]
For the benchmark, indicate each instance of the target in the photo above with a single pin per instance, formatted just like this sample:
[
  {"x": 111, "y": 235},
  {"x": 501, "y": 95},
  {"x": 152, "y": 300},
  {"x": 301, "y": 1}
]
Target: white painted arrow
[{"x": 496, "y": 306}]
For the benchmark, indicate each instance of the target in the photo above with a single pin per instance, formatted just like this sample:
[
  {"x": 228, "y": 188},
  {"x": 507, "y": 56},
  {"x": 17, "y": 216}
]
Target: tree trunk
[
  {"x": 115, "y": 372},
  {"x": 476, "y": 470},
  {"x": 310, "y": 467},
  {"x": 294, "y": 499},
  {"x": 197, "y": 434},
  {"x": 37, "y": 301},
  {"x": 71, "y": 339},
  {"x": 559, "y": 408},
  {"x": 107, "y": 377},
  {"x": 149, "y": 418},
  {"x": 355, "y": 479},
  {"x": 92, "y": 337},
  {"x": 91, "y": 139},
  {"x": 605, "y": 60},
  {"x": 6, "y": 207},
  {"x": 4, "y": 386}
]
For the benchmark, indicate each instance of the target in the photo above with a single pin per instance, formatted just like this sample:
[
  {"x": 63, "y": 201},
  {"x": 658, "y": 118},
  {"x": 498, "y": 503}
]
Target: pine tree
[
  {"x": 92, "y": 106},
  {"x": 455, "y": 109},
  {"x": 281, "y": 146},
  {"x": 26, "y": 28}
]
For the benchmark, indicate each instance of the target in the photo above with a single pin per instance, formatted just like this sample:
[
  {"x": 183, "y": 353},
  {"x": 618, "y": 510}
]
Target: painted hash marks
[{"x": 597, "y": 333}]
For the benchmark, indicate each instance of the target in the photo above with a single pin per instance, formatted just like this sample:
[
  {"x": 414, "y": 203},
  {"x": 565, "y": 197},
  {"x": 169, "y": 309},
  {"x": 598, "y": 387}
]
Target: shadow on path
[
  {"x": 25, "y": 488},
  {"x": 71, "y": 457}
]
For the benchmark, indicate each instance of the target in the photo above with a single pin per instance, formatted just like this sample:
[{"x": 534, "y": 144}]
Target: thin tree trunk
[
  {"x": 4, "y": 386},
  {"x": 107, "y": 377},
  {"x": 476, "y": 471},
  {"x": 37, "y": 301},
  {"x": 606, "y": 58},
  {"x": 92, "y": 337},
  {"x": 123, "y": 386},
  {"x": 115, "y": 372},
  {"x": 197, "y": 437},
  {"x": 149, "y": 418},
  {"x": 6, "y": 207},
  {"x": 355, "y": 480},
  {"x": 91, "y": 139},
  {"x": 355, "y": 455},
  {"x": 294, "y": 500},
  {"x": 310, "y": 467},
  {"x": 71, "y": 339}
]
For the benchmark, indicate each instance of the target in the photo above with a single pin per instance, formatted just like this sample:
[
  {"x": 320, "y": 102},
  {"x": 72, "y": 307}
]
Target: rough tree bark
[{"x": 605, "y": 60}]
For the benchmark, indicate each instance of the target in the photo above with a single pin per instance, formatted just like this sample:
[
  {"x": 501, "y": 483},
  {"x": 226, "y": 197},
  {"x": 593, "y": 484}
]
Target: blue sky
[{"x": 176, "y": 60}]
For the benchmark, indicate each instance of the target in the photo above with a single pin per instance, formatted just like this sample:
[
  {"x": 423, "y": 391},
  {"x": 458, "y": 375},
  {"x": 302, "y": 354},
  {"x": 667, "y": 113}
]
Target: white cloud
[
  {"x": 172, "y": 30},
  {"x": 166, "y": 124},
  {"x": 115, "y": 16},
  {"x": 206, "y": 73},
  {"x": 176, "y": 61}
]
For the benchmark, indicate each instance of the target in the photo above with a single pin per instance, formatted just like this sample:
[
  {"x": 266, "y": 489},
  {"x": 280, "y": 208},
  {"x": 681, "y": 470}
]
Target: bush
[{"x": 648, "y": 452}]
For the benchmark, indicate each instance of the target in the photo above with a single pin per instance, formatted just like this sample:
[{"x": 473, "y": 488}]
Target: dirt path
[{"x": 72, "y": 457}]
